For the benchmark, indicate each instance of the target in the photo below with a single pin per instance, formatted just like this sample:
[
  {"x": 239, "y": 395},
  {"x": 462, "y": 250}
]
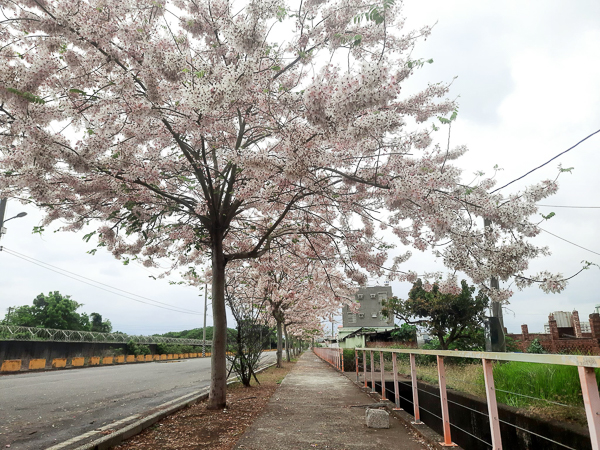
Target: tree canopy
[
  {"x": 449, "y": 317},
  {"x": 220, "y": 131},
  {"x": 56, "y": 311}
]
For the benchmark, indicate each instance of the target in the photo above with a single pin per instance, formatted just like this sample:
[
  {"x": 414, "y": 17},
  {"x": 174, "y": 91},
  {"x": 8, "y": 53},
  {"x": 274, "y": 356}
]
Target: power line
[
  {"x": 550, "y": 160},
  {"x": 572, "y": 243},
  {"x": 569, "y": 206},
  {"x": 60, "y": 272}
]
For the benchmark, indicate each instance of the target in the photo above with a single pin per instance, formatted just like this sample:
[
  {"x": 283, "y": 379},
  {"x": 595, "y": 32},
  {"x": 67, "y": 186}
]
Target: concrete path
[{"x": 312, "y": 409}]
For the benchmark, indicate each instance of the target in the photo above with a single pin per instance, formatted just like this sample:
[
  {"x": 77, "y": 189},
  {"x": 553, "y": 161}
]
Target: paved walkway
[{"x": 312, "y": 409}]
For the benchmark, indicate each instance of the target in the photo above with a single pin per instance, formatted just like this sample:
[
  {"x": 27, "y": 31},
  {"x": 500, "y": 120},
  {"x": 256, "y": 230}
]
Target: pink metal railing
[
  {"x": 333, "y": 356},
  {"x": 586, "y": 366}
]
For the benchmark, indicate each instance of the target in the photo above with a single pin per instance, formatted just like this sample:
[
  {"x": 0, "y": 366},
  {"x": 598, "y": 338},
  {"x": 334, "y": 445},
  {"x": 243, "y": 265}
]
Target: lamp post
[{"x": 2, "y": 212}]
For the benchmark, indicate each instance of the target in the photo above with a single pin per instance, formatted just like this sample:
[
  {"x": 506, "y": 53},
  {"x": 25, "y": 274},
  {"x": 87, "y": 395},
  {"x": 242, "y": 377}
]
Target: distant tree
[
  {"x": 405, "y": 333},
  {"x": 51, "y": 311},
  {"x": 450, "y": 317},
  {"x": 97, "y": 324}
]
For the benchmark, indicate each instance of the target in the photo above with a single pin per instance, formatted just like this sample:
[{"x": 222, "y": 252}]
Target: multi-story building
[{"x": 369, "y": 315}]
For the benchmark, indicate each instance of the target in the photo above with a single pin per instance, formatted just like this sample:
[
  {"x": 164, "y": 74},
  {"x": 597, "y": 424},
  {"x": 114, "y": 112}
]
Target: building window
[
  {"x": 372, "y": 295},
  {"x": 360, "y": 296},
  {"x": 361, "y": 315},
  {"x": 374, "y": 315}
]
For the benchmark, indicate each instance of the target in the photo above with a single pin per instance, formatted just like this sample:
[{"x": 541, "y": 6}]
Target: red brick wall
[{"x": 585, "y": 345}]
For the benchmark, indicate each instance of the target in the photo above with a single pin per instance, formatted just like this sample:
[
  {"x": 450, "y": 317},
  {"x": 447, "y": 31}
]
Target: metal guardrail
[
  {"x": 333, "y": 356},
  {"x": 586, "y": 366},
  {"x": 14, "y": 333}
]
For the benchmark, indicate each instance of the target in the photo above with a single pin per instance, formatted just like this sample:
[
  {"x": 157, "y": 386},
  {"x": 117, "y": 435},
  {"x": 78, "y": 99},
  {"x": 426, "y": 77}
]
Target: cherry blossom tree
[
  {"x": 297, "y": 288},
  {"x": 221, "y": 130}
]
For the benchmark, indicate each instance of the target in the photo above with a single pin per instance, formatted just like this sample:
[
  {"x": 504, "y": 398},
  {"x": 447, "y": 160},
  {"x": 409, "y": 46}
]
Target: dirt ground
[{"x": 196, "y": 427}]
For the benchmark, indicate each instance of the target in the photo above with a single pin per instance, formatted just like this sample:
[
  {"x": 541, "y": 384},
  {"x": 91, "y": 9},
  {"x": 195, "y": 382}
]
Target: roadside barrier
[
  {"x": 15, "y": 365},
  {"x": 586, "y": 366},
  {"x": 11, "y": 365},
  {"x": 36, "y": 364}
]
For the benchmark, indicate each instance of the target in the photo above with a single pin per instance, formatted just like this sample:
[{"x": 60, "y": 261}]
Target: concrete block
[
  {"x": 78, "y": 361},
  {"x": 120, "y": 359},
  {"x": 163, "y": 357},
  {"x": 139, "y": 358},
  {"x": 155, "y": 357},
  {"x": 57, "y": 363},
  {"x": 11, "y": 365},
  {"x": 107, "y": 360},
  {"x": 37, "y": 364},
  {"x": 170, "y": 356},
  {"x": 377, "y": 418},
  {"x": 148, "y": 358},
  {"x": 130, "y": 358},
  {"x": 94, "y": 360}
]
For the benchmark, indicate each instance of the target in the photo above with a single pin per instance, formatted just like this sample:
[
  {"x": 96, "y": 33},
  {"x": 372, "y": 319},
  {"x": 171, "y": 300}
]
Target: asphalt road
[{"x": 41, "y": 410}]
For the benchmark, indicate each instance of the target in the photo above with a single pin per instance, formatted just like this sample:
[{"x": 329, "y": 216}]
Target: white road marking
[{"x": 92, "y": 433}]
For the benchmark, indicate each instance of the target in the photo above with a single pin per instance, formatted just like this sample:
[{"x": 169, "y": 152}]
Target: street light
[{"x": 2, "y": 221}]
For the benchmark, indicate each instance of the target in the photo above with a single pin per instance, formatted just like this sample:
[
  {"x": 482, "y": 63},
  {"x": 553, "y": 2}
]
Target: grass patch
[{"x": 545, "y": 382}]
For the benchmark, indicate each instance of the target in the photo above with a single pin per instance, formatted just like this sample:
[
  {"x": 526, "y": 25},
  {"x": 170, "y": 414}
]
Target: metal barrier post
[
  {"x": 396, "y": 392},
  {"x": 415, "y": 389},
  {"x": 444, "y": 399},
  {"x": 342, "y": 358},
  {"x": 490, "y": 391},
  {"x": 356, "y": 363},
  {"x": 365, "y": 366},
  {"x": 591, "y": 400},
  {"x": 382, "y": 368},
  {"x": 372, "y": 372}
]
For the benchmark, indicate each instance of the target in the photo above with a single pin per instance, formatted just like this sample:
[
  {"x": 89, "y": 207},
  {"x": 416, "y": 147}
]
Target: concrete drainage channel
[{"x": 134, "y": 424}]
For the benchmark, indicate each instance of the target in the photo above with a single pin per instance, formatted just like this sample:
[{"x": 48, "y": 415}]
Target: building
[
  {"x": 368, "y": 317},
  {"x": 565, "y": 321}
]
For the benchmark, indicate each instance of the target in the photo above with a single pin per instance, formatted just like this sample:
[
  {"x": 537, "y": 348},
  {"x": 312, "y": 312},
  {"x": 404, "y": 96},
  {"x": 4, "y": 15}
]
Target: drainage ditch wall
[{"x": 470, "y": 426}]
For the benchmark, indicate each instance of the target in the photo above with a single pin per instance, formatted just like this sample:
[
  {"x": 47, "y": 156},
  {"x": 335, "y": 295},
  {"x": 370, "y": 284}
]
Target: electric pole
[
  {"x": 2, "y": 211},
  {"x": 495, "y": 340},
  {"x": 204, "y": 327}
]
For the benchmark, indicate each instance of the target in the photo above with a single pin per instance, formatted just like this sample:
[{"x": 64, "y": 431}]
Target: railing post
[
  {"x": 444, "y": 400},
  {"x": 356, "y": 363},
  {"x": 372, "y": 372},
  {"x": 365, "y": 366},
  {"x": 415, "y": 389},
  {"x": 396, "y": 389},
  {"x": 591, "y": 401},
  {"x": 342, "y": 358},
  {"x": 382, "y": 368},
  {"x": 490, "y": 390}
]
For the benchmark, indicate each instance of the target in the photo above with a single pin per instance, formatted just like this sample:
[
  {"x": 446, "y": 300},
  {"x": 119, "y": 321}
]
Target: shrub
[
  {"x": 535, "y": 347},
  {"x": 137, "y": 349}
]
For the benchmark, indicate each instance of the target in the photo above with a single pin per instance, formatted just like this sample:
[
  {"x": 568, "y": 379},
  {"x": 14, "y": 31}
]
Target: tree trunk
[
  {"x": 279, "y": 344},
  {"x": 287, "y": 343},
  {"x": 218, "y": 378}
]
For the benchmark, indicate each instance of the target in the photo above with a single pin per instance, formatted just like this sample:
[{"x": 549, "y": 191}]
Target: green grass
[{"x": 543, "y": 381}]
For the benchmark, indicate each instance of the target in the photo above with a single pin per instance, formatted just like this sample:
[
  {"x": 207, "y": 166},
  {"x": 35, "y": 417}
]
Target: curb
[{"x": 137, "y": 427}]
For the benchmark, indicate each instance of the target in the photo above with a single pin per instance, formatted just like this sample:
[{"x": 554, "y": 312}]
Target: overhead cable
[
  {"x": 550, "y": 160},
  {"x": 112, "y": 289}
]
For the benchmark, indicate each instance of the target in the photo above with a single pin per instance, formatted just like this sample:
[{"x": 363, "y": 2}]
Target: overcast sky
[{"x": 528, "y": 86}]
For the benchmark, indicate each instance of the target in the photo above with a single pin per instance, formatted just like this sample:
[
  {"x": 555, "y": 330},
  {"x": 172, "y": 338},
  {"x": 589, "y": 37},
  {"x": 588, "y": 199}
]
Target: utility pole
[
  {"x": 495, "y": 340},
  {"x": 2, "y": 211},
  {"x": 7, "y": 320},
  {"x": 204, "y": 327}
]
